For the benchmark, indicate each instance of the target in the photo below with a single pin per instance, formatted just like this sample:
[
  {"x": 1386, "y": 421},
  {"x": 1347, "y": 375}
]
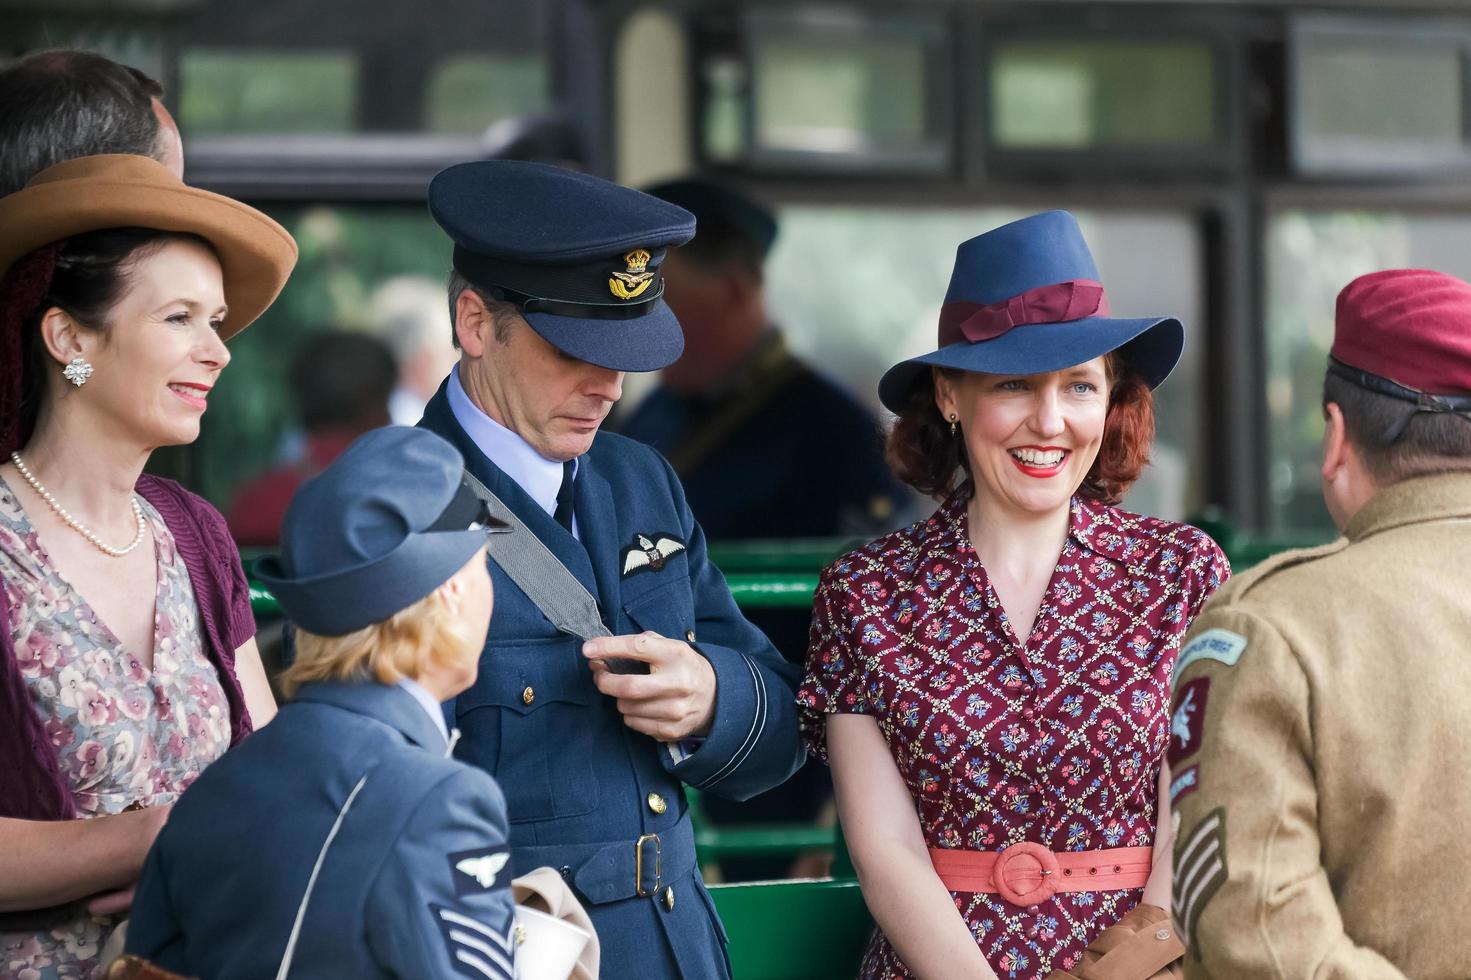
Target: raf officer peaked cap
[{"x": 579, "y": 256}]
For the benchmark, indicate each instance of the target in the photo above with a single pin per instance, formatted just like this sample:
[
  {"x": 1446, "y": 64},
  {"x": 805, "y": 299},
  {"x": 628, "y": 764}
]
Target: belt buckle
[{"x": 638, "y": 865}]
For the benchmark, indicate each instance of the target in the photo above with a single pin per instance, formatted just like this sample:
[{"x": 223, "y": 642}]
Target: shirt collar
[
  {"x": 1093, "y": 526},
  {"x": 1445, "y": 496},
  {"x": 540, "y": 477},
  {"x": 426, "y": 701}
]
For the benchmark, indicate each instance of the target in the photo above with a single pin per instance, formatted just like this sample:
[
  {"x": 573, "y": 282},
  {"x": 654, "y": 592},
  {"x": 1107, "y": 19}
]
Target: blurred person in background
[
  {"x": 340, "y": 385},
  {"x": 1320, "y": 725},
  {"x": 991, "y": 685},
  {"x": 408, "y": 313},
  {"x": 56, "y": 105},
  {"x": 127, "y": 663},
  {"x": 766, "y": 447}
]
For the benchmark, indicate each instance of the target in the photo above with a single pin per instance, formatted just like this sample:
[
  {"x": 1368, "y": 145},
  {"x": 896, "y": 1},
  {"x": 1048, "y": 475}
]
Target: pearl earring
[
  {"x": 953, "y": 417},
  {"x": 78, "y": 371}
]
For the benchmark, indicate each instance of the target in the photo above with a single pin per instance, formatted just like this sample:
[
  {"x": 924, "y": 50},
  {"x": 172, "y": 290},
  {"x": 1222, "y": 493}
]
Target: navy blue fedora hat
[
  {"x": 578, "y": 255},
  {"x": 386, "y": 524},
  {"x": 1025, "y": 299}
]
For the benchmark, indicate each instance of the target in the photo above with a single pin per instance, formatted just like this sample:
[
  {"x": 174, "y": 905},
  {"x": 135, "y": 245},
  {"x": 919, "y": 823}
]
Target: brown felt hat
[{"x": 125, "y": 191}]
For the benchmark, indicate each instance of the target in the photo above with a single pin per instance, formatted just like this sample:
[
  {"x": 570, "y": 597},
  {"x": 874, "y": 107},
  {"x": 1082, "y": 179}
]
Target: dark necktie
[{"x": 563, "y": 513}]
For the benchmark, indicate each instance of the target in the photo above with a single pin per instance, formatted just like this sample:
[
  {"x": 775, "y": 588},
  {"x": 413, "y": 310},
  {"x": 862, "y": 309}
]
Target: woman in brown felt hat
[{"x": 127, "y": 658}]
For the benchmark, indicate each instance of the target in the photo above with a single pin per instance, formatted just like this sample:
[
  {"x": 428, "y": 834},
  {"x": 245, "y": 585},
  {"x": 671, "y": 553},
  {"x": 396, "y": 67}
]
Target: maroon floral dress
[{"x": 1057, "y": 741}]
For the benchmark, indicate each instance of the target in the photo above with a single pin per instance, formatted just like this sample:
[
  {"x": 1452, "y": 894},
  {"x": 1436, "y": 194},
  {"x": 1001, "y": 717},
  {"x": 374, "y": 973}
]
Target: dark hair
[
  {"x": 343, "y": 381},
  {"x": 59, "y": 105},
  {"x": 924, "y": 454},
  {"x": 502, "y": 314},
  {"x": 1427, "y": 444},
  {"x": 719, "y": 243},
  {"x": 93, "y": 270}
]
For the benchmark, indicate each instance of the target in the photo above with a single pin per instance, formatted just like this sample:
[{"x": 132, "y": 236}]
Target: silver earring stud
[{"x": 78, "y": 371}]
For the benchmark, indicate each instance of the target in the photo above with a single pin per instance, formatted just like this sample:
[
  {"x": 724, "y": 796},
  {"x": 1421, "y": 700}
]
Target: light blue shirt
[
  {"x": 540, "y": 477},
  {"x": 431, "y": 707}
]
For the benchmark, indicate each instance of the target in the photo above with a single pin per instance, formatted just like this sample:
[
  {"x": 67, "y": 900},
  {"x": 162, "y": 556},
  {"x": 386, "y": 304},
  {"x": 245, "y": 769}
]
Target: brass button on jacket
[
  {"x": 669, "y": 898},
  {"x": 656, "y": 803},
  {"x": 528, "y": 695},
  {"x": 689, "y": 637}
]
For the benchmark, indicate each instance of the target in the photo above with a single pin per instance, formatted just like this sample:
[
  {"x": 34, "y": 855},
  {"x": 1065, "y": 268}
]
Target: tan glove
[{"x": 1143, "y": 946}]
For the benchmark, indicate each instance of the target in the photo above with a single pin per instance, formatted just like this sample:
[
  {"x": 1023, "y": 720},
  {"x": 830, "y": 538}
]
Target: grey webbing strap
[{"x": 537, "y": 572}]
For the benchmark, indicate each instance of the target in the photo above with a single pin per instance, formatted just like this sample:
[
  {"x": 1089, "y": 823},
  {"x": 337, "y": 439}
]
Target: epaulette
[{"x": 1240, "y": 584}]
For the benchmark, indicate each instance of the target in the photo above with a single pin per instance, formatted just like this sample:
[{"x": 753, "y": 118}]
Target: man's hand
[{"x": 673, "y": 701}]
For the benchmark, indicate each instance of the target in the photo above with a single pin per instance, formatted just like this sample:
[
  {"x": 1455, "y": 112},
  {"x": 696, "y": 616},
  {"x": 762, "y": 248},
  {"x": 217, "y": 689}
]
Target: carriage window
[
  {"x": 238, "y": 92},
  {"x": 1073, "y": 95},
  {"x": 840, "y": 92},
  {"x": 859, "y": 288},
  {"x": 469, "y": 92},
  {"x": 1379, "y": 97},
  {"x": 1311, "y": 255}
]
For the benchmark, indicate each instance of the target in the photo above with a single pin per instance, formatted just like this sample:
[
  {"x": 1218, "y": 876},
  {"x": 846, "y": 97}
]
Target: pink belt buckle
[{"x": 1026, "y": 874}]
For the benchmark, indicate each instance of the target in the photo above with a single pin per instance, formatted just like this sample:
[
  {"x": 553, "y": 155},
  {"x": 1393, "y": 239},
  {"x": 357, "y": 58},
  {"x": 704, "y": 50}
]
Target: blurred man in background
[
  {"x": 57, "y": 105},
  {"x": 340, "y": 384}
]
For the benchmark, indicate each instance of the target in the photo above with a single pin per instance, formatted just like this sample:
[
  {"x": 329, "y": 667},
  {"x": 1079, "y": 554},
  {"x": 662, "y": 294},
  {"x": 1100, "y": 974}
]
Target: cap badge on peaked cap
[{"x": 632, "y": 283}]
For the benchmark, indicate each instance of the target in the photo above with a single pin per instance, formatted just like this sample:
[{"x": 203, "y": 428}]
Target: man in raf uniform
[
  {"x": 1319, "y": 732},
  {"x": 555, "y": 293}
]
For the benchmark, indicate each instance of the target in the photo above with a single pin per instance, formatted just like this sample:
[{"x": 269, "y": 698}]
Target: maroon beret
[{"x": 1411, "y": 326}]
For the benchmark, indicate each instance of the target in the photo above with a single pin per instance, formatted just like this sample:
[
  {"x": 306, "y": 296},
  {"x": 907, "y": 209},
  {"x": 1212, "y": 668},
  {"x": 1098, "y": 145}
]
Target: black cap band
[
  {"x": 1425, "y": 403},
  {"x": 580, "y": 290}
]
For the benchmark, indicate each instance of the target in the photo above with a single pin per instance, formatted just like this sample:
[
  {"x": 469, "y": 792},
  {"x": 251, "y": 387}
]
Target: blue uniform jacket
[
  {"x": 346, "y": 796},
  {"x": 582, "y": 789}
]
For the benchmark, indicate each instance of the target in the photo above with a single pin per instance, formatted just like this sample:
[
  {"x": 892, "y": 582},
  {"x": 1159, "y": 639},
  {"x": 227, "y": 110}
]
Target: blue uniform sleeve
[
  {"x": 441, "y": 905},
  {"x": 154, "y": 932},
  {"x": 753, "y": 743}
]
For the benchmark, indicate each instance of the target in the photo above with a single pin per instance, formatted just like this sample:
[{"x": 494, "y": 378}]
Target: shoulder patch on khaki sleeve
[
  {"x": 1220, "y": 645},
  {"x": 1200, "y": 871}
]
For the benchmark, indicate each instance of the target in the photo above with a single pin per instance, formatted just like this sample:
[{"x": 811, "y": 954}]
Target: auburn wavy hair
[{"x": 924, "y": 454}]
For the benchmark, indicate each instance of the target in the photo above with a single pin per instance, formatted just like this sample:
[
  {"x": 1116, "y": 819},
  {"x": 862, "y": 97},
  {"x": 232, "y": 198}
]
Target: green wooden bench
[{"x": 794, "y": 930}]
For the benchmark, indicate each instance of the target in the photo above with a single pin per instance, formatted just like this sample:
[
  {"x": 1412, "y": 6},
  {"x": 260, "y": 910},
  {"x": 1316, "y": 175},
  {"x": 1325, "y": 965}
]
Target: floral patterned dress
[
  {"x": 127, "y": 736},
  {"x": 1056, "y": 741}
]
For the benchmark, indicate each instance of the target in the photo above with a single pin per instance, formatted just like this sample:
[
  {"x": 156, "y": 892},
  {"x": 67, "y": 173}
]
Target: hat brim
[
  {"x": 1151, "y": 347},
  {"x": 644, "y": 343},
  {"x": 342, "y": 602},
  {"x": 119, "y": 191}
]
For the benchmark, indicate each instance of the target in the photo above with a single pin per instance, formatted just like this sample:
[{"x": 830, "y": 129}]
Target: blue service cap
[
  {"x": 578, "y": 255},
  {"x": 387, "y": 523}
]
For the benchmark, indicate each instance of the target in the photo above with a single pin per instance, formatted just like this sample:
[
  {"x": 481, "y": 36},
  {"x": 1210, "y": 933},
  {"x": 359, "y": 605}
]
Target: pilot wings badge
[
  {"x": 631, "y": 284},
  {"x": 648, "y": 554}
]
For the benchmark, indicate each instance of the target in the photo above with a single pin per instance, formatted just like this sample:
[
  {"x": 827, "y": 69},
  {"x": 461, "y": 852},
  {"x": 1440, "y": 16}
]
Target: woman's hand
[
  {"x": 45, "y": 863},
  {"x": 1158, "y": 890},
  {"x": 908, "y": 900}
]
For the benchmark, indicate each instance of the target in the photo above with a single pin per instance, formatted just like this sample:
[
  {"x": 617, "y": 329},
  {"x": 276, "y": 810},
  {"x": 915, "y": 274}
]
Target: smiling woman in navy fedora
[{"x": 991, "y": 686}]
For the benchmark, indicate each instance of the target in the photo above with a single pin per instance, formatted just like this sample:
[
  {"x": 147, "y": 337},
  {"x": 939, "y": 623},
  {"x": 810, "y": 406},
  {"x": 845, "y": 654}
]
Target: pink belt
[{"x": 1027, "y": 873}]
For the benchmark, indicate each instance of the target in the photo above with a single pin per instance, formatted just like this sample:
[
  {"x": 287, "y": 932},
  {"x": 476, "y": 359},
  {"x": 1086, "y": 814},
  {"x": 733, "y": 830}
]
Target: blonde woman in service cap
[{"x": 127, "y": 662}]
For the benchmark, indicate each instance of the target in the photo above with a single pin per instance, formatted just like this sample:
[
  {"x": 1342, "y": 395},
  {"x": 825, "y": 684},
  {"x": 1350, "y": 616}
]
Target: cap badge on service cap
[{"x": 631, "y": 284}]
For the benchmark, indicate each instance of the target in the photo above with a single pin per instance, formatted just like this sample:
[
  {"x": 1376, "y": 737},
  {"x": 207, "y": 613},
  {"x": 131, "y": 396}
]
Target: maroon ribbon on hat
[
  {"x": 22, "y": 289},
  {"x": 1055, "y": 303}
]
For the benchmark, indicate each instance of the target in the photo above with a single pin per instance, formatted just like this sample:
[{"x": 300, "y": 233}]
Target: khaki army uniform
[{"x": 1321, "y": 754}]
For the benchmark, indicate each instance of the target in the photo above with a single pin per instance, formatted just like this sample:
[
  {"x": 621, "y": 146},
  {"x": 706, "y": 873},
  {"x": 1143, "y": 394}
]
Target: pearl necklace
[{"x": 75, "y": 524}]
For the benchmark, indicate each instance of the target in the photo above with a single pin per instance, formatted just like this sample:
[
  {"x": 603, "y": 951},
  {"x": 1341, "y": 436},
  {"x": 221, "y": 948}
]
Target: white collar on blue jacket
[{"x": 540, "y": 477}]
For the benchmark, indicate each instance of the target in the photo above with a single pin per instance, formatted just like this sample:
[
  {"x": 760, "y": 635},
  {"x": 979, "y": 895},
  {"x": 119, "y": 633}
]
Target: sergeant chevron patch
[
  {"x": 474, "y": 948},
  {"x": 1200, "y": 871},
  {"x": 649, "y": 552}
]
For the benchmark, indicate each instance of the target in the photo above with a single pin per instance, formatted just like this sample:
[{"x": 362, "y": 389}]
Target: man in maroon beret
[{"x": 1319, "y": 733}]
